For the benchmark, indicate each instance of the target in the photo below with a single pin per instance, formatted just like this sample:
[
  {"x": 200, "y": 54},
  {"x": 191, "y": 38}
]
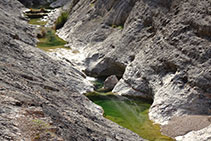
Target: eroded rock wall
[
  {"x": 36, "y": 3},
  {"x": 40, "y": 97},
  {"x": 161, "y": 48}
]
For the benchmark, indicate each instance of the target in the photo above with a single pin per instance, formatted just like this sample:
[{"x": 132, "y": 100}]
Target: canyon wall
[
  {"x": 161, "y": 49},
  {"x": 41, "y": 97}
]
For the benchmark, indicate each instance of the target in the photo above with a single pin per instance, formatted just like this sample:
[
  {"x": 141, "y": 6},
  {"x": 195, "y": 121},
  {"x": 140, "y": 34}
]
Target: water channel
[{"x": 129, "y": 112}]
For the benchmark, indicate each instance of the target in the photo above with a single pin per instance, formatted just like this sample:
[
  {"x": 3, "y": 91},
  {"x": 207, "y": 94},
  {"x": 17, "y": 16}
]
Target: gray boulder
[
  {"x": 200, "y": 135},
  {"x": 110, "y": 82}
]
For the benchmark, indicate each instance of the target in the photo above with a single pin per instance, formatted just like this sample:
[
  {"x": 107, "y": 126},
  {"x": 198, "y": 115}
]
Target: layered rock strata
[
  {"x": 41, "y": 97},
  {"x": 161, "y": 49}
]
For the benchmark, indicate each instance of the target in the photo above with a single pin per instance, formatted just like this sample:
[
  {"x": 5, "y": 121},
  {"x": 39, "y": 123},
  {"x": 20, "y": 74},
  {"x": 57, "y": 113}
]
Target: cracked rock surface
[
  {"x": 41, "y": 97},
  {"x": 160, "y": 48}
]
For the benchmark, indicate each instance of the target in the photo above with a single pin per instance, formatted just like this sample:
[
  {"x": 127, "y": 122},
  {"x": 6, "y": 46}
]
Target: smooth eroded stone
[{"x": 110, "y": 82}]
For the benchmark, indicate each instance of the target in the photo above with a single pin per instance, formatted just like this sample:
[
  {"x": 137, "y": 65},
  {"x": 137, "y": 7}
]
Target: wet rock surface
[{"x": 41, "y": 97}]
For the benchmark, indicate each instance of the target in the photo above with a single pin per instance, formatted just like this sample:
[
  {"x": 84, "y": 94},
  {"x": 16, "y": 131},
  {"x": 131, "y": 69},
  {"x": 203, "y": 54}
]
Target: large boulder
[{"x": 110, "y": 82}]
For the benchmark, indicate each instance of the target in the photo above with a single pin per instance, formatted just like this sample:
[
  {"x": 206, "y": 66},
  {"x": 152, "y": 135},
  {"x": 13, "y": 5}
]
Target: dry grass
[{"x": 75, "y": 51}]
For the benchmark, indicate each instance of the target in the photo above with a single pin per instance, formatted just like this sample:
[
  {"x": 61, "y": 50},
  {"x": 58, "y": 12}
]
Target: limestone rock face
[
  {"x": 200, "y": 135},
  {"x": 110, "y": 82},
  {"x": 41, "y": 97},
  {"x": 161, "y": 48},
  {"x": 178, "y": 126},
  {"x": 59, "y": 3},
  {"x": 35, "y": 3}
]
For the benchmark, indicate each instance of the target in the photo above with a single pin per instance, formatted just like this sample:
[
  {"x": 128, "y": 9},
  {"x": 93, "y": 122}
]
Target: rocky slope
[
  {"x": 161, "y": 49},
  {"x": 40, "y": 97},
  {"x": 36, "y": 3}
]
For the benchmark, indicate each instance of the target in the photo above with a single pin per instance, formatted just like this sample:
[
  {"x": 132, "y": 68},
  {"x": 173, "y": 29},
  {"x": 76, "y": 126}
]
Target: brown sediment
[{"x": 182, "y": 125}]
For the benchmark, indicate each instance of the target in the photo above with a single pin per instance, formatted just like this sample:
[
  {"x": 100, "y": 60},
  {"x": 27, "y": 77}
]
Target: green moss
[
  {"x": 40, "y": 129},
  {"x": 35, "y": 16},
  {"x": 40, "y": 124},
  {"x": 117, "y": 26},
  {"x": 37, "y": 21},
  {"x": 120, "y": 27},
  {"x": 131, "y": 113},
  {"x": 92, "y": 5},
  {"x": 61, "y": 20}
]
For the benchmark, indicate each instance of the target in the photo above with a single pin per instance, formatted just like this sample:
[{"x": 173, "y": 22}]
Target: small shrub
[
  {"x": 92, "y": 5},
  {"x": 117, "y": 26},
  {"x": 113, "y": 26},
  {"x": 120, "y": 27},
  {"x": 42, "y": 33},
  {"x": 61, "y": 20}
]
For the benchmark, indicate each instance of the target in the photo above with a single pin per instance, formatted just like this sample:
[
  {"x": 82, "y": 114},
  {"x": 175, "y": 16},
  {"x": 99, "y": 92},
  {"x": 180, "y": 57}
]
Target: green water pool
[
  {"x": 129, "y": 112},
  {"x": 49, "y": 40}
]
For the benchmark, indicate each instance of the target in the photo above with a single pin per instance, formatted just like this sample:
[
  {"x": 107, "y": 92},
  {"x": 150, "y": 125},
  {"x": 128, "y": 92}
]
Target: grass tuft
[
  {"x": 117, "y": 26},
  {"x": 37, "y": 21},
  {"x": 61, "y": 20}
]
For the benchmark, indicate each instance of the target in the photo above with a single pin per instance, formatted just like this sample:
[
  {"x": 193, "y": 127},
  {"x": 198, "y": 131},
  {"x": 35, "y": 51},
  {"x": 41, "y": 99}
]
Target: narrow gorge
[{"x": 104, "y": 70}]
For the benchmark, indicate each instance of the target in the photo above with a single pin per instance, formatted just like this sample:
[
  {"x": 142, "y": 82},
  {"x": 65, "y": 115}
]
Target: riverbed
[{"x": 129, "y": 112}]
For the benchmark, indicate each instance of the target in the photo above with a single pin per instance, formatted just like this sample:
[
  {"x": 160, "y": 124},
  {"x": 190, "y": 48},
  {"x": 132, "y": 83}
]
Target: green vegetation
[
  {"x": 51, "y": 41},
  {"x": 41, "y": 128},
  {"x": 40, "y": 124},
  {"x": 48, "y": 39},
  {"x": 99, "y": 94},
  {"x": 35, "y": 16},
  {"x": 117, "y": 26},
  {"x": 92, "y": 5},
  {"x": 98, "y": 83},
  {"x": 37, "y": 21},
  {"x": 61, "y": 20}
]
